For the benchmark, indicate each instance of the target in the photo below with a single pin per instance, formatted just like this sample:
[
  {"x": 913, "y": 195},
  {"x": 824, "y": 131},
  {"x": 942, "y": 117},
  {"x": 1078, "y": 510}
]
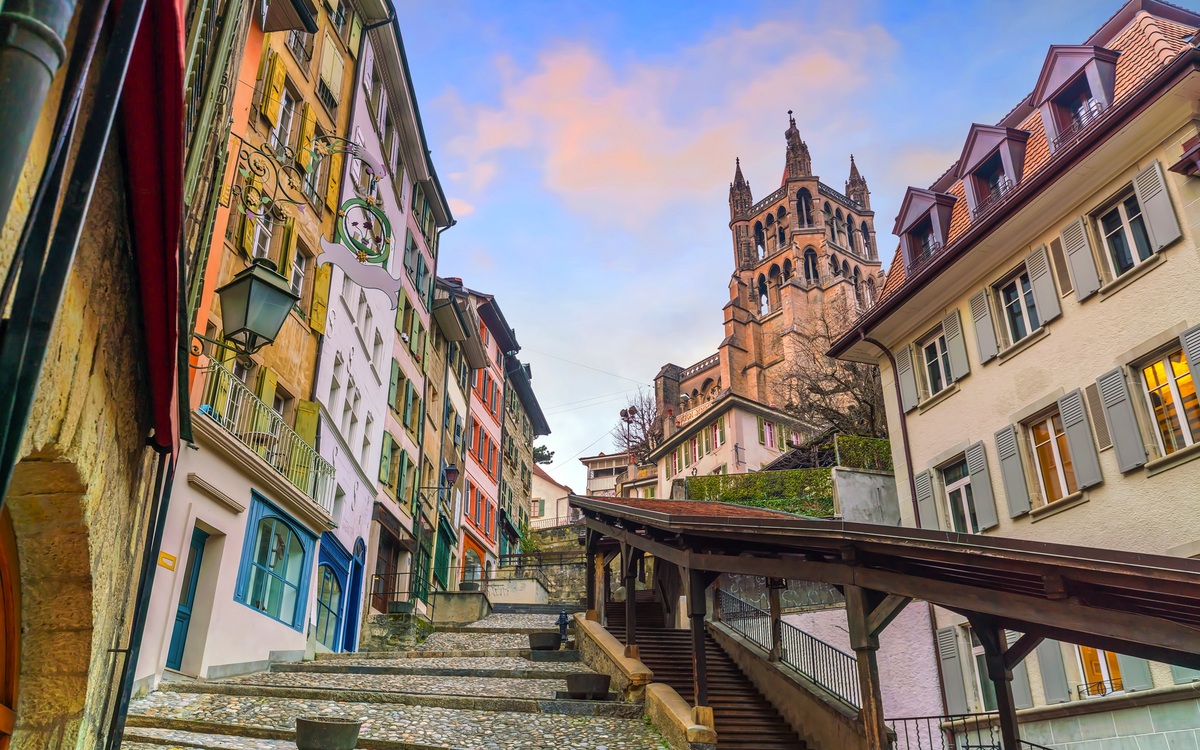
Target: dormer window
[
  {"x": 1075, "y": 87},
  {"x": 991, "y": 165},
  {"x": 1075, "y": 108},
  {"x": 923, "y": 224},
  {"x": 922, "y": 241}
]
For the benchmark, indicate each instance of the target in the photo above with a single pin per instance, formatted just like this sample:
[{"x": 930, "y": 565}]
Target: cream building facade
[{"x": 1039, "y": 320}]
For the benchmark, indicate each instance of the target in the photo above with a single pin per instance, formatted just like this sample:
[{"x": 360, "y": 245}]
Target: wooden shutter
[
  {"x": 1189, "y": 340},
  {"x": 308, "y": 128},
  {"x": 393, "y": 384},
  {"x": 307, "y": 416},
  {"x": 1045, "y": 295},
  {"x": 1060, "y": 266},
  {"x": 1012, "y": 471},
  {"x": 319, "y": 309},
  {"x": 1054, "y": 675},
  {"x": 981, "y": 487},
  {"x": 273, "y": 93},
  {"x": 952, "y": 674},
  {"x": 1122, "y": 422},
  {"x": 956, "y": 346},
  {"x": 1022, "y": 695},
  {"x": 385, "y": 458},
  {"x": 707, "y": 441},
  {"x": 408, "y": 403},
  {"x": 287, "y": 249},
  {"x": 1096, "y": 409},
  {"x": 402, "y": 475},
  {"x": 1079, "y": 439},
  {"x": 1183, "y": 674},
  {"x": 1152, "y": 195},
  {"x": 265, "y": 387},
  {"x": 721, "y": 428},
  {"x": 908, "y": 379},
  {"x": 1135, "y": 672},
  {"x": 1080, "y": 260},
  {"x": 249, "y": 219},
  {"x": 335, "y": 181},
  {"x": 355, "y": 35},
  {"x": 762, "y": 434},
  {"x": 985, "y": 331},
  {"x": 926, "y": 505}
]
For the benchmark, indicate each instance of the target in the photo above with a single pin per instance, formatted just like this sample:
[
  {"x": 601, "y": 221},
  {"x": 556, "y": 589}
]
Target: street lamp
[{"x": 254, "y": 305}]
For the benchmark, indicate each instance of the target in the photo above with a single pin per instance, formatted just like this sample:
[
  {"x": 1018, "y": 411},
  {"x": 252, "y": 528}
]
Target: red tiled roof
[
  {"x": 686, "y": 508},
  {"x": 1147, "y": 45}
]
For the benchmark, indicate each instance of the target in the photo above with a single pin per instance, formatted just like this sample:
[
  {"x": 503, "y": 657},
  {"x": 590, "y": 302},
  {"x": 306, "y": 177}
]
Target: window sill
[
  {"x": 1171, "y": 460},
  {"x": 375, "y": 372},
  {"x": 1023, "y": 344},
  {"x": 1058, "y": 506},
  {"x": 1136, "y": 272},
  {"x": 937, "y": 398}
]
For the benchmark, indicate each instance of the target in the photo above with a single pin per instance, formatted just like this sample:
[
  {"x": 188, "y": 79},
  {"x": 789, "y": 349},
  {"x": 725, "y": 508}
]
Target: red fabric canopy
[{"x": 153, "y": 113}]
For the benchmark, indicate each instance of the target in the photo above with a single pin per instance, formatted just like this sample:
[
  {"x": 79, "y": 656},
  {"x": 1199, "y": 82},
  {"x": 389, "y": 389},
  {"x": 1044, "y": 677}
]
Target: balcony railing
[
  {"x": 995, "y": 198},
  {"x": 229, "y": 403},
  {"x": 694, "y": 412},
  {"x": 710, "y": 361},
  {"x": 297, "y": 42},
  {"x": 1097, "y": 689},
  {"x": 1088, "y": 115},
  {"x": 550, "y": 522},
  {"x": 327, "y": 97},
  {"x": 956, "y": 732},
  {"x": 924, "y": 255}
]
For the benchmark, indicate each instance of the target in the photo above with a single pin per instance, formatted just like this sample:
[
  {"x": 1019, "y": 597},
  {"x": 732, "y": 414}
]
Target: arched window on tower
[
  {"x": 764, "y": 305},
  {"x": 857, "y": 286},
  {"x": 870, "y": 293},
  {"x": 833, "y": 265},
  {"x": 787, "y": 269},
  {"x": 829, "y": 223},
  {"x": 760, "y": 241},
  {"x": 850, "y": 244},
  {"x": 811, "y": 272},
  {"x": 868, "y": 251},
  {"x": 782, "y": 236},
  {"x": 769, "y": 231},
  {"x": 774, "y": 282},
  {"x": 839, "y": 228},
  {"x": 845, "y": 268},
  {"x": 804, "y": 216}
]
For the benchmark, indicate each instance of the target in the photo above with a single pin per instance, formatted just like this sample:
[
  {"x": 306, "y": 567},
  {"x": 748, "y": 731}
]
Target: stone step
[
  {"x": 497, "y": 667},
  {"x": 568, "y": 654},
  {"x": 553, "y": 608},
  {"x": 388, "y": 726},
  {"x": 421, "y": 684},
  {"x": 473, "y": 629}
]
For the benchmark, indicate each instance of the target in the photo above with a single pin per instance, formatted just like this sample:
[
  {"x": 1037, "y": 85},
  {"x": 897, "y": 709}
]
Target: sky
[{"x": 586, "y": 150}]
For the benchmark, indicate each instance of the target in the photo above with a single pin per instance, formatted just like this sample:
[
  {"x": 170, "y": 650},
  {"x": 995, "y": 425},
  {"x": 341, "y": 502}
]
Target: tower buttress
[
  {"x": 799, "y": 162},
  {"x": 856, "y": 187}
]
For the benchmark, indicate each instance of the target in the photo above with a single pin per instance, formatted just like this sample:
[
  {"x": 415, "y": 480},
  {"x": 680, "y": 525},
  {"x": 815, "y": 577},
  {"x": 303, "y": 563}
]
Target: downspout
[
  {"x": 31, "y": 52},
  {"x": 912, "y": 483}
]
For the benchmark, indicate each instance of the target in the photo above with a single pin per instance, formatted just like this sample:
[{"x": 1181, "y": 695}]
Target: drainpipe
[
  {"x": 31, "y": 51},
  {"x": 912, "y": 483}
]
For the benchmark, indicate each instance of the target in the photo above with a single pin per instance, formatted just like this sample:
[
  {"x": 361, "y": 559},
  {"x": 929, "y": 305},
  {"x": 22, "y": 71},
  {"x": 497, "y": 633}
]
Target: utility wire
[
  {"x": 585, "y": 406},
  {"x": 580, "y": 453},
  {"x": 580, "y": 401},
  {"x": 587, "y": 367}
]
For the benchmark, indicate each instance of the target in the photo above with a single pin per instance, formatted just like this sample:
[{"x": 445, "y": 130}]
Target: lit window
[
  {"x": 1020, "y": 311},
  {"x": 1172, "y": 396},
  {"x": 1056, "y": 474},
  {"x": 959, "y": 498},
  {"x": 1124, "y": 229},
  {"x": 1101, "y": 672},
  {"x": 937, "y": 363}
]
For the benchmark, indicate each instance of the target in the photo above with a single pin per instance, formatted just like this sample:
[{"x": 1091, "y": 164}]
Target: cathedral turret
[
  {"x": 740, "y": 199},
  {"x": 799, "y": 163},
  {"x": 856, "y": 187}
]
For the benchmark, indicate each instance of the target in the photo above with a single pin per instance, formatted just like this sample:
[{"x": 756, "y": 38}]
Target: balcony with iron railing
[
  {"x": 952, "y": 732},
  {"x": 1087, "y": 116},
  {"x": 999, "y": 192},
  {"x": 228, "y": 402},
  {"x": 923, "y": 256},
  {"x": 1099, "y": 688},
  {"x": 297, "y": 42},
  {"x": 327, "y": 97}
]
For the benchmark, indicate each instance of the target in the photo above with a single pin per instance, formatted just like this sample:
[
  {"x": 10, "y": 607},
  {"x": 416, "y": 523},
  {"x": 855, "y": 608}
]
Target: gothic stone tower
[{"x": 793, "y": 250}]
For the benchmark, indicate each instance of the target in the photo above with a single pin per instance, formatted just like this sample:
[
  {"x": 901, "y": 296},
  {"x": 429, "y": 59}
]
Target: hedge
[
  {"x": 807, "y": 492},
  {"x": 863, "y": 452}
]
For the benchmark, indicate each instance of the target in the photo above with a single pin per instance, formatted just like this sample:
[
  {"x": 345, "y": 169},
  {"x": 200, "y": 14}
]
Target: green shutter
[
  {"x": 402, "y": 475},
  {"x": 1012, "y": 471},
  {"x": 762, "y": 435},
  {"x": 1135, "y": 673},
  {"x": 392, "y": 385},
  {"x": 721, "y": 428},
  {"x": 408, "y": 403},
  {"x": 385, "y": 458}
]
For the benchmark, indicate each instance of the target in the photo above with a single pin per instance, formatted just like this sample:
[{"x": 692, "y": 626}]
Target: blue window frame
[
  {"x": 276, "y": 564},
  {"x": 329, "y": 607}
]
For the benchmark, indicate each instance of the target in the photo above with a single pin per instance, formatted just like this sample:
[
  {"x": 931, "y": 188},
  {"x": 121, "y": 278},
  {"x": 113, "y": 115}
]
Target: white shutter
[
  {"x": 952, "y": 676},
  {"x": 1041, "y": 280},
  {"x": 1080, "y": 260},
  {"x": 985, "y": 332},
  {"x": 1155, "y": 201},
  {"x": 926, "y": 505},
  {"x": 981, "y": 487},
  {"x": 1012, "y": 471}
]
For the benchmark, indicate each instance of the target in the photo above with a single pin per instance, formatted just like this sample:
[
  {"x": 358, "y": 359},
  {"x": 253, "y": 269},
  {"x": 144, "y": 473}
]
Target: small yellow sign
[{"x": 167, "y": 561}]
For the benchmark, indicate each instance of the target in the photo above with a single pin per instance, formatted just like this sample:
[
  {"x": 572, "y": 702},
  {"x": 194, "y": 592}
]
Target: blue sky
[{"x": 587, "y": 150}]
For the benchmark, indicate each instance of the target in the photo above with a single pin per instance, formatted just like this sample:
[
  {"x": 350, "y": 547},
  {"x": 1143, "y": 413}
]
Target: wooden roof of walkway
[{"x": 1137, "y": 604}]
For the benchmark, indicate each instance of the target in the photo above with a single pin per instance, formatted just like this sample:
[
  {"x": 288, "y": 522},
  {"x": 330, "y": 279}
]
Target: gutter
[
  {"x": 1188, "y": 61},
  {"x": 912, "y": 482}
]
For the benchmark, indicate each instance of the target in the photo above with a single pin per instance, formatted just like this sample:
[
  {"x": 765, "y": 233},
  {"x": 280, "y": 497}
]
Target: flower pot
[
  {"x": 545, "y": 641},
  {"x": 587, "y": 687},
  {"x": 326, "y": 733}
]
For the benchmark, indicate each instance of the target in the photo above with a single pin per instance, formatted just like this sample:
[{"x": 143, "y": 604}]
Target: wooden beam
[
  {"x": 1023, "y": 647},
  {"x": 885, "y": 612}
]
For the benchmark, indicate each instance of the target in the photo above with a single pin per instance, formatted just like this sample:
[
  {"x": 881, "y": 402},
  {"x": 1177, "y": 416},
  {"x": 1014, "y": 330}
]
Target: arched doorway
[{"x": 354, "y": 598}]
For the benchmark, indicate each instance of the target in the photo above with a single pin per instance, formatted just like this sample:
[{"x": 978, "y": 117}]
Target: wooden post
[
  {"x": 593, "y": 611},
  {"x": 697, "y": 608},
  {"x": 865, "y": 644},
  {"x": 991, "y": 635},
  {"x": 629, "y": 558},
  {"x": 774, "y": 586}
]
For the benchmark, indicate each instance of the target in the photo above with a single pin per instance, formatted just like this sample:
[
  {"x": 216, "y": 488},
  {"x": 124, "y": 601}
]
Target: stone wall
[
  {"x": 559, "y": 538},
  {"x": 398, "y": 632}
]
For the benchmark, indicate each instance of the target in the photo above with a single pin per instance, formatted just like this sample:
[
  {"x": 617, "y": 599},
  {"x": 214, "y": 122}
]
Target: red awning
[{"x": 153, "y": 113}]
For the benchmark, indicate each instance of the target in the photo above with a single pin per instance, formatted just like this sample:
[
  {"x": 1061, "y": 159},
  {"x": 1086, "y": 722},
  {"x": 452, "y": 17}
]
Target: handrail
[
  {"x": 229, "y": 403},
  {"x": 833, "y": 669},
  {"x": 979, "y": 731}
]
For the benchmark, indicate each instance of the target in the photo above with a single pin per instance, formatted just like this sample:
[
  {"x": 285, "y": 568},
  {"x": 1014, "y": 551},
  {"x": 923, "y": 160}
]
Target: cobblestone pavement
[
  {"x": 472, "y": 641},
  {"x": 474, "y": 730},
  {"x": 470, "y": 662},
  {"x": 192, "y": 739},
  {"x": 546, "y": 622},
  {"x": 420, "y": 684}
]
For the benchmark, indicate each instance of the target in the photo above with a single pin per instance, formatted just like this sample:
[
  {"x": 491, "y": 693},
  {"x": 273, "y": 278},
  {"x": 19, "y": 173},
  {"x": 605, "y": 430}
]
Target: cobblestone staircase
[
  {"x": 468, "y": 688},
  {"x": 744, "y": 719}
]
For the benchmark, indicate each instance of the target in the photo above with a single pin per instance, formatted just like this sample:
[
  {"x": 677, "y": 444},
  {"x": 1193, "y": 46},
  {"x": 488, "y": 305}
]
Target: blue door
[
  {"x": 187, "y": 596},
  {"x": 350, "y": 629}
]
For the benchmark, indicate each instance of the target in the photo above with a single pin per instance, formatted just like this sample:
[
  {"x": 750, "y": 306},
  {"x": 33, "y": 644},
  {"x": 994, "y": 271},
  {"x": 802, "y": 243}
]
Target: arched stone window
[
  {"x": 866, "y": 242},
  {"x": 845, "y": 268},
  {"x": 850, "y": 244},
  {"x": 760, "y": 240},
  {"x": 773, "y": 285},
  {"x": 782, "y": 236},
  {"x": 764, "y": 304},
  {"x": 787, "y": 269},
  {"x": 804, "y": 215},
  {"x": 870, "y": 293},
  {"x": 833, "y": 265},
  {"x": 811, "y": 271},
  {"x": 828, "y": 212}
]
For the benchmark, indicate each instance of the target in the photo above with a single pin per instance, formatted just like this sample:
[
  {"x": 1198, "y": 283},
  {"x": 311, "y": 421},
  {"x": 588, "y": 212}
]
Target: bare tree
[
  {"x": 639, "y": 431},
  {"x": 845, "y": 397}
]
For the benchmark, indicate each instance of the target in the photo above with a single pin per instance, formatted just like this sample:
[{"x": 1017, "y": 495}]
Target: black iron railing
[
  {"x": 297, "y": 42},
  {"x": 923, "y": 255},
  {"x": 999, "y": 191},
  {"x": 956, "y": 732},
  {"x": 1098, "y": 688},
  {"x": 830, "y": 667},
  {"x": 1080, "y": 121},
  {"x": 327, "y": 97}
]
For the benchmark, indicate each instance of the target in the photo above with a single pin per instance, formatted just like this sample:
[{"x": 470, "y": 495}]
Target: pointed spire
[
  {"x": 853, "y": 168},
  {"x": 740, "y": 199},
  {"x": 799, "y": 163},
  {"x": 856, "y": 187}
]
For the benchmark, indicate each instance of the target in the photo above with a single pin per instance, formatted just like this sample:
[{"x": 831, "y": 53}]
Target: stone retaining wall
[{"x": 398, "y": 632}]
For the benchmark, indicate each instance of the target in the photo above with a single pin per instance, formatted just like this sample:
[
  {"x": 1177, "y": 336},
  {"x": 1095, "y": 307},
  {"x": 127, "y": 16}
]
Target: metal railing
[
  {"x": 956, "y": 732},
  {"x": 229, "y": 403},
  {"x": 550, "y": 522},
  {"x": 827, "y": 191},
  {"x": 327, "y": 97},
  {"x": 539, "y": 559},
  {"x": 1099, "y": 688},
  {"x": 830, "y": 667},
  {"x": 1088, "y": 115},
  {"x": 297, "y": 42},
  {"x": 924, "y": 254},
  {"x": 999, "y": 192}
]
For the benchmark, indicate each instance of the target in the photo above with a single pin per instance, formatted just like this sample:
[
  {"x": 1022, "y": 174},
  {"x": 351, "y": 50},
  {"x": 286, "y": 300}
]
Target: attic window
[
  {"x": 922, "y": 243},
  {"x": 991, "y": 183},
  {"x": 1074, "y": 109}
]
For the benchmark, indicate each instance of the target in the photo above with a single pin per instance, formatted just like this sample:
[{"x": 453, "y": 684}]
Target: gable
[
  {"x": 1063, "y": 63},
  {"x": 982, "y": 141}
]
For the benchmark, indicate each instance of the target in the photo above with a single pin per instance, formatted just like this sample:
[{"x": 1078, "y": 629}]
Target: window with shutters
[
  {"x": 960, "y": 499},
  {"x": 936, "y": 361},
  {"x": 1171, "y": 393},
  {"x": 1126, "y": 241},
  {"x": 281, "y": 134},
  {"x": 1051, "y": 456},
  {"x": 1020, "y": 308},
  {"x": 263, "y": 229},
  {"x": 986, "y": 690},
  {"x": 1101, "y": 672},
  {"x": 329, "y": 85}
]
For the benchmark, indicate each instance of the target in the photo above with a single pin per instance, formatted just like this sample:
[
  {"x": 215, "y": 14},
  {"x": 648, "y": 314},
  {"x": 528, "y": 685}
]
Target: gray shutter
[
  {"x": 1155, "y": 201},
  {"x": 985, "y": 332},
  {"x": 1135, "y": 673},
  {"x": 1054, "y": 675},
  {"x": 1099, "y": 423},
  {"x": 1045, "y": 295},
  {"x": 952, "y": 676},
  {"x": 1060, "y": 266},
  {"x": 908, "y": 379},
  {"x": 1012, "y": 471},
  {"x": 1183, "y": 674},
  {"x": 926, "y": 505},
  {"x": 1080, "y": 260},
  {"x": 1022, "y": 695},
  {"x": 1190, "y": 341},
  {"x": 956, "y": 346},
  {"x": 1079, "y": 439},
  {"x": 1122, "y": 423},
  {"x": 981, "y": 487}
]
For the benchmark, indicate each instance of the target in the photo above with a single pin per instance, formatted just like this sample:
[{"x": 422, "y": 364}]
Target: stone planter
[
  {"x": 545, "y": 641},
  {"x": 400, "y": 608},
  {"x": 585, "y": 686},
  {"x": 468, "y": 586},
  {"x": 326, "y": 733}
]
